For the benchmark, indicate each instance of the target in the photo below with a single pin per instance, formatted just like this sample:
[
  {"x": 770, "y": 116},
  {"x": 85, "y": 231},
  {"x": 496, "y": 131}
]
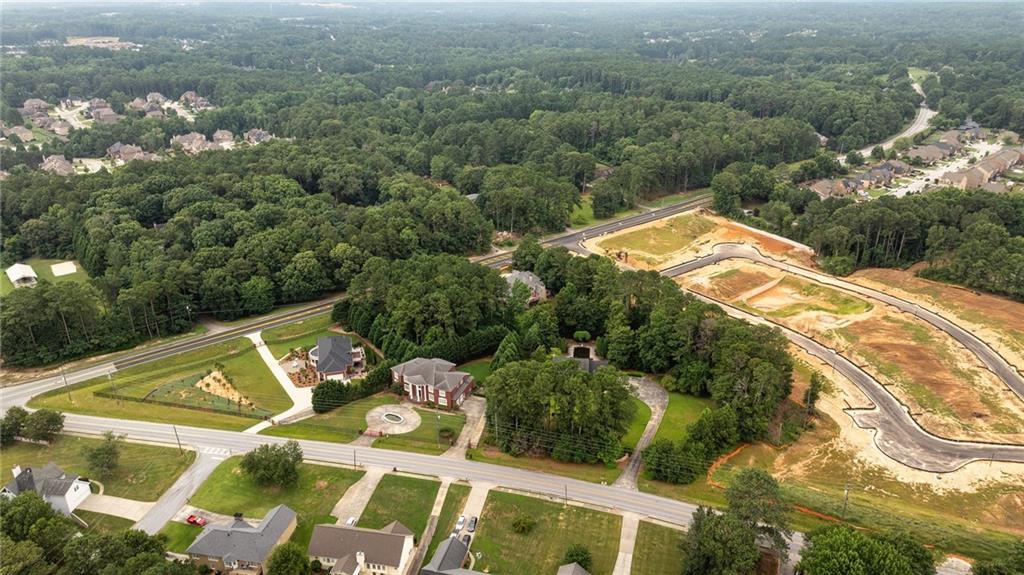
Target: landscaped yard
[
  {"x": 102, "y": 523},
  {"x": 637, "y": 425},
  {"x": 425, "y": 438},
  {"x": 144, "y": 472},
  {"x": 657, "y": 550},
  {"x": 180, "y": 535},
  {"x": 44, "y": 272},
  {"x": 502, "y": 550},
  {"x": 281, "y": 340},
  {"x": 167, "y": 379},
  {"x": 595, "y": 473},
  {"x": 478, "y": 368},
  {"x": 681, "y": 412},
  {"x": 454, "y": 501},
  {"x": 341, "y": 425},
  {"x": 319, "y": 488},
  {"x": 408, "y": 500}
]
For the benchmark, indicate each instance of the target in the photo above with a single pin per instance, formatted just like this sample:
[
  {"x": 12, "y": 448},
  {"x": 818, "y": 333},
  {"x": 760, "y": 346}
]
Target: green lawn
[
  {"x": 103, "y": 523},
  {"x": 43, "y": 271},
  {"x": 340, "y": 425},
  {"x": 681, "y": 412},
  {"x": 540, "y": 551},
  {"x": 319, "y": 488},
  {"x": 637, "y": 425},
  {"x": 425, "y": 438},
  {"x": 583, "y": 215},
  {"x": 304, "y": 333},
  {"x": 144, "y": 472},
  {"x": 594, "y": 473},
  {"x": 454, "y": 501},
  {"x": 180, "y": 535},
  {"x": 478, "y": 368},
  {"x": 241, "y": 363},
  {"x": 408, "y": 500},
  {"x": 671, "y": 236},
  {"x": 673, "y": 199},
  {"x": 657, "y": 550}
]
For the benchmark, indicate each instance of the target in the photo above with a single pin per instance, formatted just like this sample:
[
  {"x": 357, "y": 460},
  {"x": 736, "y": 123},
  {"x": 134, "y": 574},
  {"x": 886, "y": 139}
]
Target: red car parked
[{"x": 195, "y": 520}]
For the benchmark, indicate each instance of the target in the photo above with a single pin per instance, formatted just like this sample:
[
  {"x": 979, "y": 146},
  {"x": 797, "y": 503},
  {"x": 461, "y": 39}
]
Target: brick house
[{"x": 431, "y": 380}]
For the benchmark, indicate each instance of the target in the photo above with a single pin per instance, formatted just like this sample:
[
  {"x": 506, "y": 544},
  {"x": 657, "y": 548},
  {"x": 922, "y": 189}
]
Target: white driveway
[
  {"x": 117, "y": 506},
  {"x": 302, "y": 397}
]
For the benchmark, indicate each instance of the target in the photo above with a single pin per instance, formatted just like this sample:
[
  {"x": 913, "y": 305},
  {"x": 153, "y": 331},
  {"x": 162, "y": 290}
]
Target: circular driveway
[{"x": 377, "y": 423}]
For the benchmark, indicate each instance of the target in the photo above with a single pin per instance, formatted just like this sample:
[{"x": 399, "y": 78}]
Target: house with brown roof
[
  {"x": 156, "y": 98},
  {"x": 349, "y": 550},
  {"x": 834, "y": 188},
  {"x": 23, "y": 133},
  {"x": 192, "y": 143},
  {"x": 105, "y": 116},
  {"x": 222, "y": 137},
  {"x": 982, "y": 173},
  {"x": 431, "y": 380},
  {"x": 138, "y": 104},
  {"x": 60, "y": 127},
  {"x": 33, "y": 105},
  {"x": 56, "y": 164},
  {"x": 128, "y": 152},
  {"x": 257, "y": 136},
  {"x": 927, "y": 155}
]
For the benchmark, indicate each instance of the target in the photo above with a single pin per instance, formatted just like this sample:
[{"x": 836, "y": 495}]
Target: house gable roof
[
  {"x": 49, "y": 481},
  {"x": 334, "y": 353},
  {"x": 432, "y": 372},
  {"x": 19, "y": 272},
  {"x": 242, "y": 541},
  {"x": 378, "y": 546}
]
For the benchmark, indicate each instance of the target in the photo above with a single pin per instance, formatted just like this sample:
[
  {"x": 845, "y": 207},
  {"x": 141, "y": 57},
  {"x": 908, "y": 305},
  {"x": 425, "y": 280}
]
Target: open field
[
  {"x": 401, "y": 498},
  {"x": 946, "y": 387},
  {"x": 229, "y": 491},
  {"x": 281, "y": 340},
  {"x": 478, "y": 368},
  {"x": 657, "y": 550},
  {"x": 454, "y": 501},
  {"x": 144, "y": 472},
  {"x": 558, "y": 526},
  {"x": 681, "y": 412},
  {"x": 166, "y": 379},
  {"x": 637, "y": 425},
  {"x": 103, "y": 523},
  {"x": 669, "y": 241},
  {"x": 582, "y": 215},
  {"x": 426, "y": 438},
  {"x": 594, "y": 473},
  {"x": 44, "y": 272},
  {"x": 995, "y": 320},
  {"x": 341, "y": 425}
]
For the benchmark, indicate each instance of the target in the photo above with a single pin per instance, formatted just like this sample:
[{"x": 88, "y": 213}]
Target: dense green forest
[{"x": 388, "y": 115}]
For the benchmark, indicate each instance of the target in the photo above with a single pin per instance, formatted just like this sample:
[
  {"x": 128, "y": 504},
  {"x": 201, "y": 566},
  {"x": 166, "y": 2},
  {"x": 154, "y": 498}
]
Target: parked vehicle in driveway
[
  {"x": 196, "y": 520},
  {"x": 460, "y": 523},
  {"x": 467, "y": 538},
  {"x": 472, "y": 524}
]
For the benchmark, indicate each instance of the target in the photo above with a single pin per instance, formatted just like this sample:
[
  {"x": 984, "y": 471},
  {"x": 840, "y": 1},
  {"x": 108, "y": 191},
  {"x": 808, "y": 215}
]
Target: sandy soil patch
[
  {"x": 997, "y": 321},
  {"x": 218, "y": 385},
  {"x": 949, "y": 391},
  {"x": 63, "y": 269},
  {"x": 669, "y": 241}
]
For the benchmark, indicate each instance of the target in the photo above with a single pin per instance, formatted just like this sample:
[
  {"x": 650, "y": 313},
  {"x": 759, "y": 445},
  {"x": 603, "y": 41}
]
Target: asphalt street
[{"x": 896, "y": 433}]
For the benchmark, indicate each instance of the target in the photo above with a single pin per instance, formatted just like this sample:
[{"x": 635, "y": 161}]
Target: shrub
[
  {"x": 523, "y": 524},
  {"x": 580, "y": 554},
  {"x": 581, "y": 335}
]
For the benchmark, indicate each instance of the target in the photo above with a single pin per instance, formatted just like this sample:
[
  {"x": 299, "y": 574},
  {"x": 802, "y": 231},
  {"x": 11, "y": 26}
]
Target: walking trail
[{"x": 302, "y": 397}]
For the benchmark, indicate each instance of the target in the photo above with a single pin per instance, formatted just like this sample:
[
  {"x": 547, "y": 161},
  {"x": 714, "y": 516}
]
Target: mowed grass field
[
  {"x": 180, "y": 535},
  {"x": 478, "y": 368},
  {"x": 682, "y": 411},
  {"x": 502, "y": 550},
  {"x": 102, "y": 523},
  {"x": 143, "y": 472},
  {"x": 454, "y": 501},
  {"x": 241, "y": 363},
  {"x": 340, "y": 425},
  {"x": 228, "y": 490},
  {"x": 408, "y": 500},
  {"x": 594, "y": 473},
  {"x": 637, "y": 425},
  {"x": 44, "y": 272},
  {"x": 281, "y": 340},
  {"x": 657, "y": 550},
  {"x": 662, "y": 239},
  {"x": 425, "y": 438}
]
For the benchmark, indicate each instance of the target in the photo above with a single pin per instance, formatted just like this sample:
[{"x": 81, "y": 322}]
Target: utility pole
[
  {"x": 176, "y": 438},
  {"x": 353, "y": 458},
  {"x": 65, "y": 378},
  {"x": 110, "y": 380}
]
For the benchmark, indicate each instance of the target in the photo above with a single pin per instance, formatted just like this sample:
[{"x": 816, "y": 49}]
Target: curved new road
[{"x": 896, "y": 433}]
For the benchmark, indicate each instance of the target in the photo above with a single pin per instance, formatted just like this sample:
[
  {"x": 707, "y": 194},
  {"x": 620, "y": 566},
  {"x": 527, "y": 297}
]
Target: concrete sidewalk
[
  {"x": 475, "y": 409},
  {"x": 117, "y": 506},
  {"x": 302, "y": 397},
  {"x": 627, "y": 541},
  {"x": 356, "y": 497}
]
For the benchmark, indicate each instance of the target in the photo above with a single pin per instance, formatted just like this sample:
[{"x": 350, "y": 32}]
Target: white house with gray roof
[
  {"x": 242, "y": 547},
  {"x": 431, "y": 380},
  {"x": 63, "y": 491}
]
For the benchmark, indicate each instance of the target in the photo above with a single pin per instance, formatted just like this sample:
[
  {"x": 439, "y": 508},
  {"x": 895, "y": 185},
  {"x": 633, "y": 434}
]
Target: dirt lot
[
  {"x": 997, "y": 321},
  {"x": 946, "y": 387},
  {"x": 676, "y": 239}
]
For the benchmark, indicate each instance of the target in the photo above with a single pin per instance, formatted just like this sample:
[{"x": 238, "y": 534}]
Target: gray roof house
[
  {"x": 572, "y": 569},
  {"x": 241, "y": 545},
  {"x": 538, "y": 291},
  {"x": 347, "y": 550},
  {"x": 451, "y": 553},
  {"x": 63, "y": 491},
  {"x": 431, "y": 380},
  {"x": 335, "y": 358},
  {"x": 57, "y": 164}
]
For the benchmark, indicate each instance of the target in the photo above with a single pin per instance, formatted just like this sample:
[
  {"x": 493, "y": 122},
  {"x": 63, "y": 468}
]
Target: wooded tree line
[
  {"x": 36, "y": 540},
  {"x": 973, "y": 238}
]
